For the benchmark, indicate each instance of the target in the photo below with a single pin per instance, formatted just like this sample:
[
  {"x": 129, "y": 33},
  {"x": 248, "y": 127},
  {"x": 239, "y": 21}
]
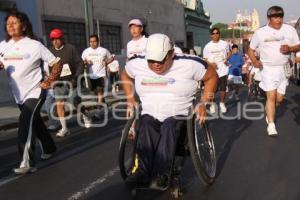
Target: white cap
[
  {"x": 158, "y": 45},
  {"x": 135, "y": 22}
]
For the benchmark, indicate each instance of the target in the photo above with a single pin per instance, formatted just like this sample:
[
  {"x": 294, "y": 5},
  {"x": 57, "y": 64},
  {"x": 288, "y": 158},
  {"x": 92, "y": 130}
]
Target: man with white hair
[{"x": 166, "y": 85}]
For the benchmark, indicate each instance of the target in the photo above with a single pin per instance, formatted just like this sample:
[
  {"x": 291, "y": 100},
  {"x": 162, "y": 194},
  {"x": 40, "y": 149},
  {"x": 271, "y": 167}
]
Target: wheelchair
[{"x": 193, "y": 140}]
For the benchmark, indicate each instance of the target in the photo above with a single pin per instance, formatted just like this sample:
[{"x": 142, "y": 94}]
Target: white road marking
[{"x": 84, "y": 191}]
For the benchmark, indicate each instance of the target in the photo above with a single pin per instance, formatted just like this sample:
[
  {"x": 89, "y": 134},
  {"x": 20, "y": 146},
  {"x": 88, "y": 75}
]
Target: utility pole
[{"x": 87, "y": 20}]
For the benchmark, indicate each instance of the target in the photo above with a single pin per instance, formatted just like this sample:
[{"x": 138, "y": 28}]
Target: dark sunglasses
[
  {"x": 276, "y": 15},
  {"x": 215, "y": 33}
]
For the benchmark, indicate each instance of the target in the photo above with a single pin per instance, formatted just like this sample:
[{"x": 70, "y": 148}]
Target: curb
[{"x": 14, "y": 125}]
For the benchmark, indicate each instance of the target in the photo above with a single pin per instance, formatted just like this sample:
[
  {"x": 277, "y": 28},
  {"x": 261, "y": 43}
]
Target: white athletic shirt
[
  {"x": 216, "y": 52},
  {"x": 167, "y": 95},
  {"x": 268, "y": 41},
  {"x": 98, "y": 57},
  {"x": 22, "y": 62},
  {"x": 136, "y": 47},
  {"x": 113, "y": 66}
]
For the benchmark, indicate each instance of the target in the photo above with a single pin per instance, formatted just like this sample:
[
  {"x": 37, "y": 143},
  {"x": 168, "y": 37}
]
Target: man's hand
[
  {"x": 257, "y": 64},
  {"x": 131, "y": 106},
  {"x": 214, "y": 65},
  {"x": 88, "y": 62},
  {"x": 285, "y": 49},
  {"x": 201, "y": 113},
  {"x": 45, "y": 85}
]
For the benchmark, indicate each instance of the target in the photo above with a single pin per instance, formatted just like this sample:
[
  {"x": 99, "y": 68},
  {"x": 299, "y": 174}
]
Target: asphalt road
[{"x": 251, "y": 165}]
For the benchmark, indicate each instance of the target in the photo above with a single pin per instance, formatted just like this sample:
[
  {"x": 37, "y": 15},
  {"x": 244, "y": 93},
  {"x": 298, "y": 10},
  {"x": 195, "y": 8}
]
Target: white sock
[
  {"x": 271, "y": 124},
  {"x": 63, "y": 123}
]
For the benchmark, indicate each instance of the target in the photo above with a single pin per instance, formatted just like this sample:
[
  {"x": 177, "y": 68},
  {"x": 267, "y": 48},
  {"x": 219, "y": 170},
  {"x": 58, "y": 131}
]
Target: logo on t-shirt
[
  {"x": 16, "y": 56},
  {"x": 157, "y": 81},
  {"x": 274, "y": 39}
]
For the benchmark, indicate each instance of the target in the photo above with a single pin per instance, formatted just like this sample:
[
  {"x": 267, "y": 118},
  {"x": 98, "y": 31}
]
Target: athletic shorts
[
  {"x": 98, "y": 84},
  {"x": 273, "y": 78},
  {"x": 222, "y": 84},
  {"x": 235, "y": 79},
  {"x": 62, "y": 92}
]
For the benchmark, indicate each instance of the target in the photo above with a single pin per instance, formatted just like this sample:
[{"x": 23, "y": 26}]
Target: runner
[
  {"x": 21, "y": 57},
  {"x": 138, "y": 43},
  {"x": 97, "y": 58},
  {"x": 217, "y": 53},
  {"x": 166, "y": 84},
  {"x": 66, "y": 89},
  {"x": 234, "y": 74},
  {"x": 272, "y": 42},
  {"x": 113, "y": 69}
]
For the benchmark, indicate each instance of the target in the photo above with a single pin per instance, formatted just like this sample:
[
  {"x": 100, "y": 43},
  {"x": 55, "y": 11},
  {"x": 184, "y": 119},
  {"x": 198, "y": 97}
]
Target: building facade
[
  {"x": 197, "y": 25},
  {"x": 109, "y": 19}
]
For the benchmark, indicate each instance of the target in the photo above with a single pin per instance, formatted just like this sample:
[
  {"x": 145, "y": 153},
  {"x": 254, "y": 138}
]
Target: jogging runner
[
  {"x": 21, "y": 56},
  {"x": 274, "y": 42},
  {"x": 66, "y": 88},
  {"x": 217, "y": 53}
]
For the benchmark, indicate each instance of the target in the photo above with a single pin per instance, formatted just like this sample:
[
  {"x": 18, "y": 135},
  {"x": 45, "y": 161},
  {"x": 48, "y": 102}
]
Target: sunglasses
[
  {"x": 215, "y": 33},
  {"x": 276, "y": 15}
]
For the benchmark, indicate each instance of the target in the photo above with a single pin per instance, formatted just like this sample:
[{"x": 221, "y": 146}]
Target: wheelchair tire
[
  {"x": 127, "y": 149},
  {"x": 202, "y": 150}
]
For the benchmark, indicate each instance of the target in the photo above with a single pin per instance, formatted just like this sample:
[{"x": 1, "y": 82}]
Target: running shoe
[
  {"x": 24, "y": 170},
  {"x": 272, "y": 130},
  {"x": 63, "y": 133},
  {"x": 223, "y": 107}
]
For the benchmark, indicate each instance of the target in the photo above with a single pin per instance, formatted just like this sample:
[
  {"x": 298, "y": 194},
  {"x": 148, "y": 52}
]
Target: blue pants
[{"x": 156, "y": 145}]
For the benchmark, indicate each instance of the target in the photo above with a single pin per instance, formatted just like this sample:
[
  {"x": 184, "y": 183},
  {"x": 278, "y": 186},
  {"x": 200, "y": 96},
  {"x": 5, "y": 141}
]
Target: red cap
[{"x": 56, "y": 33}]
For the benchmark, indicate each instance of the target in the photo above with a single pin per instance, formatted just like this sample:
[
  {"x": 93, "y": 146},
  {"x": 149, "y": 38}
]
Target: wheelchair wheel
[
  {"x": 127, "y": 148},
  {"x": 202, "y": 150}
]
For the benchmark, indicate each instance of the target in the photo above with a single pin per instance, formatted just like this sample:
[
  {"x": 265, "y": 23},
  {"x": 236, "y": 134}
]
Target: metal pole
[
  {"x": 86, "y": 18},
  {"x": 98, "y": 29}
]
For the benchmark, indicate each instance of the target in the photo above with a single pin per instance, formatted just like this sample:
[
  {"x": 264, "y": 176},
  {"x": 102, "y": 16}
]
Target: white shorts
[
  {"x": 273, "y": 78},
  {"x": 235, "y": 79}
]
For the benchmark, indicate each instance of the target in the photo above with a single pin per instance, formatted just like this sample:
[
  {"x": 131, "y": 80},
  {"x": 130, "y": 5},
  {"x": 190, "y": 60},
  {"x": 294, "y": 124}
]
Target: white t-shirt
[
  {"x": 22, "y": 62},
  {"x": 216, "y": 52},
  {"x": 170, "y": 94},
  {"x": 98, "y": 57},
  {"x": 137, "y": 47},
  {"x": 113, "y": 66},
  {"x": 268, "y": 41}
]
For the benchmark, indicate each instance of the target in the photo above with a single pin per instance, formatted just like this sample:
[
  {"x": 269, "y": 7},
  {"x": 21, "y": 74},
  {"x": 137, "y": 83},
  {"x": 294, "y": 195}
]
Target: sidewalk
[{"x": 9, "y": 114}]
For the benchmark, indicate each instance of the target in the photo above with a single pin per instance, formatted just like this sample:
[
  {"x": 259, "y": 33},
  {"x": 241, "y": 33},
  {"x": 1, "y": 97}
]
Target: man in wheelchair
[{"x": 166, "y": 84}]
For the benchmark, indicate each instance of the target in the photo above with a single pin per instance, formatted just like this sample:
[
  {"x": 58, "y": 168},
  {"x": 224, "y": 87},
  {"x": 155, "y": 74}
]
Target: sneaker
[
  {"x": 87, "y": 121},
  {"x": 63, "y": 133},
  {"x": 212, "y": 108},
  {"x": 272, "y": 130},
  {"x": 46, "y": 156},
  {"x": 161, "y": 182},
  {"x": 223, "y": 107},
  {"x": 237, "y": 97},
  {"x": 24, "y": 170}
]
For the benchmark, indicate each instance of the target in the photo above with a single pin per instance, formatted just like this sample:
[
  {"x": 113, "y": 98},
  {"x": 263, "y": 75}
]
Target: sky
[{"x": 219, "y": 14}]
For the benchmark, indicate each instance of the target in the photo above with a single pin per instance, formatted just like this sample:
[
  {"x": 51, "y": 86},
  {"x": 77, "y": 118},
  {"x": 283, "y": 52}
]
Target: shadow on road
[{"x": 226, "y": 132}]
